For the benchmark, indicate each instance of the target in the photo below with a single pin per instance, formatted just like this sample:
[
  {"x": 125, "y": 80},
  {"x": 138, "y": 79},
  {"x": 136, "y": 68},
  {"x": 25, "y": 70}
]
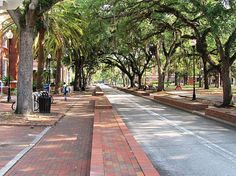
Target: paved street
[{"x": 177, "y": 142}]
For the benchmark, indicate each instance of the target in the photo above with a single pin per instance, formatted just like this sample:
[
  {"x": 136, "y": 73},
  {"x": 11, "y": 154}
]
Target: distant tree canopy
[{"x": 128, "y": 34}]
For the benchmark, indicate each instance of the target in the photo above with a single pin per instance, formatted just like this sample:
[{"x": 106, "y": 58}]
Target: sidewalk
[
  {"x": 115, "y": 152},
  {"x": 86, "y": 141},
  {"x": 66, "y": 148}
]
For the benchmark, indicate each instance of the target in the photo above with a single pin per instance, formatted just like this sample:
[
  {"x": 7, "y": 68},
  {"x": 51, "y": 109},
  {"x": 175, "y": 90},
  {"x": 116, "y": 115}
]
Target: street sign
[{"x": 46, "y": 87}]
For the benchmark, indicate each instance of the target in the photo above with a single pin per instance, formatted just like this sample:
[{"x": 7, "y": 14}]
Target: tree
[
  {"x": 25, "y": 18},
  {"x": 64, "y": 33},
  {"x": 41, "y": 28}
]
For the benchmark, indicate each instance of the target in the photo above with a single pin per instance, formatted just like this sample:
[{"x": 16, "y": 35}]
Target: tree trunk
[
  {"x": 80, "y": 74},
  {"x": 131, "y": 79},
  {"x": 123, "y": 79},
  {"x": 58, "y": 70},
  {"x": 205, "y": 73},
  {"x": 200, "y": 80},
  {"x": 217, "y": 82},
  {"x": 227, "y": 89},
  {"x": 41, "y": 60},
  {"x": 176, "y": 78},
  {"x": 127, "y": 81},
  {"x": 76, "y": 79},
  {"x": 83, "y": 86},
  {"x": 161, "y": 82},
  {"x": 168, "y": 78},
  {"x": 25, "y": 72},
  {"x": 139, "y": 81},
  {"x": 185, "y": 78}
]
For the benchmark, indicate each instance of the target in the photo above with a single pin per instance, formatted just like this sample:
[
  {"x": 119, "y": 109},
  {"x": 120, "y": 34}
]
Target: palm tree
[{"x": 64, "y": 30}]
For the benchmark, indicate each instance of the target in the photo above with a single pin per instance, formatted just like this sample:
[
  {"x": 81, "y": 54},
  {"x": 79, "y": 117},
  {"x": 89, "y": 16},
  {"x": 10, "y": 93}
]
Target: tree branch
[
  {"x": 46, "y": 8},
  {"x": 232, "y": 59},
  {"x": 220, "y": 47},
  {"x": 15, "y": 15},
  {"x": 229, "y": 43}
]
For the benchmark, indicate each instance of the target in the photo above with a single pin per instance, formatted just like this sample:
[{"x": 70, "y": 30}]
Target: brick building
[{"x": 5, "y": 68}]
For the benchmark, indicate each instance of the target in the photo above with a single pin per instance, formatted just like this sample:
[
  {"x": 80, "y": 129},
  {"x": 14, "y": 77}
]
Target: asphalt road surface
[{"x": 178, "y": 143}]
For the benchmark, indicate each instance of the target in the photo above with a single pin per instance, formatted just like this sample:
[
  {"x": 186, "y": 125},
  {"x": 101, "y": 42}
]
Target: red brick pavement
[
  {"x": 13, "y": 140},
  {"x": 114, "y": 151},
  {"x": 117, "y": 156},
  {"x": 65, "y": 149},
  {"x": 5, "y": 107}
]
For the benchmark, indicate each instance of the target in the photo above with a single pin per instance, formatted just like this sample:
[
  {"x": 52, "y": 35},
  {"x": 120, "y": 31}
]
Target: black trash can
[{"x": 44, "y": 104}]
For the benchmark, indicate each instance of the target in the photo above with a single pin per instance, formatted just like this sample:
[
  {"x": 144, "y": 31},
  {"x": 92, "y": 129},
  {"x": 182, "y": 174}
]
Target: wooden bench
[{"x": 181, "y": 103}]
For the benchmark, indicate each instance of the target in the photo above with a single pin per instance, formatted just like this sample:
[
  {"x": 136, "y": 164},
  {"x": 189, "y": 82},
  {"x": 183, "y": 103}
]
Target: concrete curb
[
  {"x": 184, "y": 109},
  {"x": 97, "y": 163}
]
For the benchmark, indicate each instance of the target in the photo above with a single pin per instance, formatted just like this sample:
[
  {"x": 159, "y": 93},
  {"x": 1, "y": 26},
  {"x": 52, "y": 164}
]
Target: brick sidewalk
[
  {"x": 65, "y": 149},
  {"x": 114, "y": 150},
  {"x": 13, "y": 139}
]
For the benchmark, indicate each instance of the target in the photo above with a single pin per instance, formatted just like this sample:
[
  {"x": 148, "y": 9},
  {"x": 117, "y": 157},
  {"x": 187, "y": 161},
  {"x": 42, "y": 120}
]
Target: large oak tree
[{"x": 25, "y": 18}]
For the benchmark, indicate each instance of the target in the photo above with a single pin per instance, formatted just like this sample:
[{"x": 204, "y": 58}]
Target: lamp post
[
  {"x": 193, "y": 44},
  {"x": 9, "y": 36},
  {"x": 49, "y": 73}
]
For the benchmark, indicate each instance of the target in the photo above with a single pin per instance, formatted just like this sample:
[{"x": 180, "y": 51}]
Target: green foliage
[
  {"x": 5, "y": 80},
  {"x": 44, "y": 3},
  {"x": 118, "y": 33},
  {"x": 39, "y": 24}
]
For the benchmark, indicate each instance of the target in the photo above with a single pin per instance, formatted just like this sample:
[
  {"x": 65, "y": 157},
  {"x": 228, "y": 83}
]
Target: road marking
[
  {"x": 223, "y": 152},
  {"x": 216, "y": 148},
  {"x": 11, "y": 163}
]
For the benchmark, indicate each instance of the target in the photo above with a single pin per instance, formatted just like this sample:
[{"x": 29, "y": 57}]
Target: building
[{"x": 8, "y": 65}]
